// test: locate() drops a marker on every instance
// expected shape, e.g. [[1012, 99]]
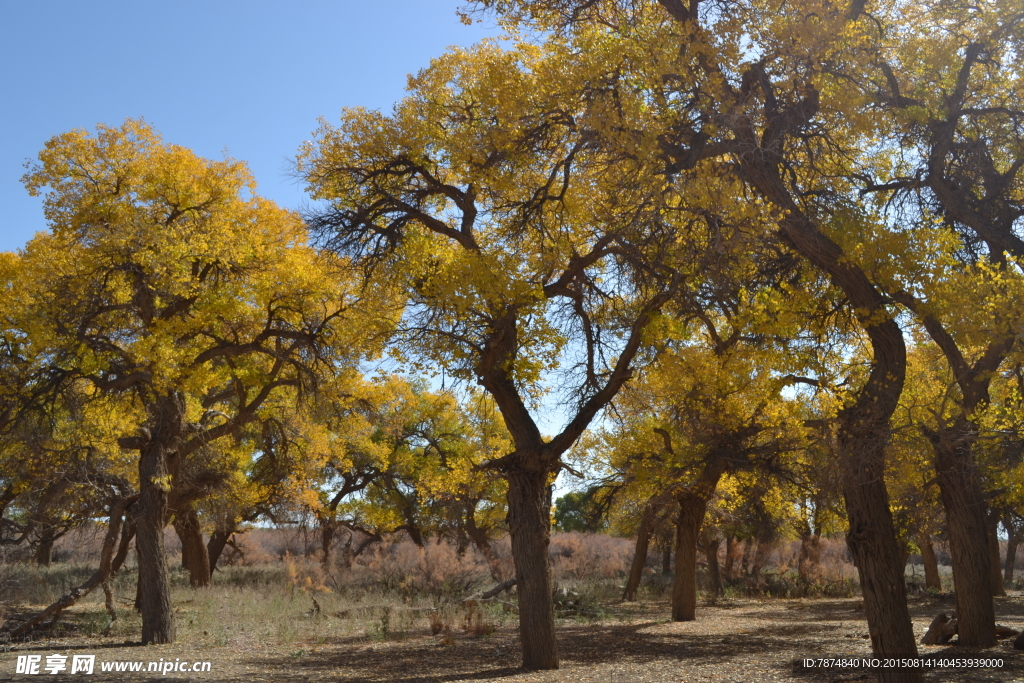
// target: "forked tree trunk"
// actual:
[[994, 559], [194, 554], [643, 539], [218, 540], [684, 587], [154, 592], [529, 519], [960, 487], [931, 563]]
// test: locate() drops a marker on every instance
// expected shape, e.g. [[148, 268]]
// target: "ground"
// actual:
[[734, 640]]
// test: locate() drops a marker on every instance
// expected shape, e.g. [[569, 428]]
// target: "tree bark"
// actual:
[[529, 516], [1011, 556], [666, 560], [194, 554], [810, 557], [100, 576], [710, 547], [960, 488], [684, 587], [931, 563], [643, 538], [154, 591], [994, 559], [327, 530], [730, 557], [479, 538], [218, 540], [44, 552]]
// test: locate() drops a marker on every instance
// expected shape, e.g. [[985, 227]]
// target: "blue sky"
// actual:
[[246, 78]]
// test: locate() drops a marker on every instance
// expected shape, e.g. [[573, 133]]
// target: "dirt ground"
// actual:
[[733, 641]]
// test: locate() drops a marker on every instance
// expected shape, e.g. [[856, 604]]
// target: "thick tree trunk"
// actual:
[[684, 588], [871, 538], [931, 563], [194, 553], [994, 559], [44, 551], [154, 592], [529, 518], [666, 560], [765, 543], [960, 486], [710, 547], [643, 538]]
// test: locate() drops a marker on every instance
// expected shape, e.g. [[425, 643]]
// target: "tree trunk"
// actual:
[[710, 547], [44, 552], [764, 546], [529, 518], [327, 530], [479, 538], [810, 557], [931, 564], [666, 560], [194, 553], [871, 538], [994, 559], [684, 588], [730, 557], [100, 576], [215, 546], [643, 538], [1011, 556], [154, 590], [960, 486]]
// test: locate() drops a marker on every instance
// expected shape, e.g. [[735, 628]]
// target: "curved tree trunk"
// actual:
[[643, 538], [529, 520], [931, 563], [194, 554], [154, 591], [960, 487], [101, 575]]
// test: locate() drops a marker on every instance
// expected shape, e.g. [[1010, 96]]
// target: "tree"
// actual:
[[163, 283], [535, 243]]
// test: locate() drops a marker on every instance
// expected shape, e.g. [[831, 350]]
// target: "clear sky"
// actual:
[[246, 78]]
